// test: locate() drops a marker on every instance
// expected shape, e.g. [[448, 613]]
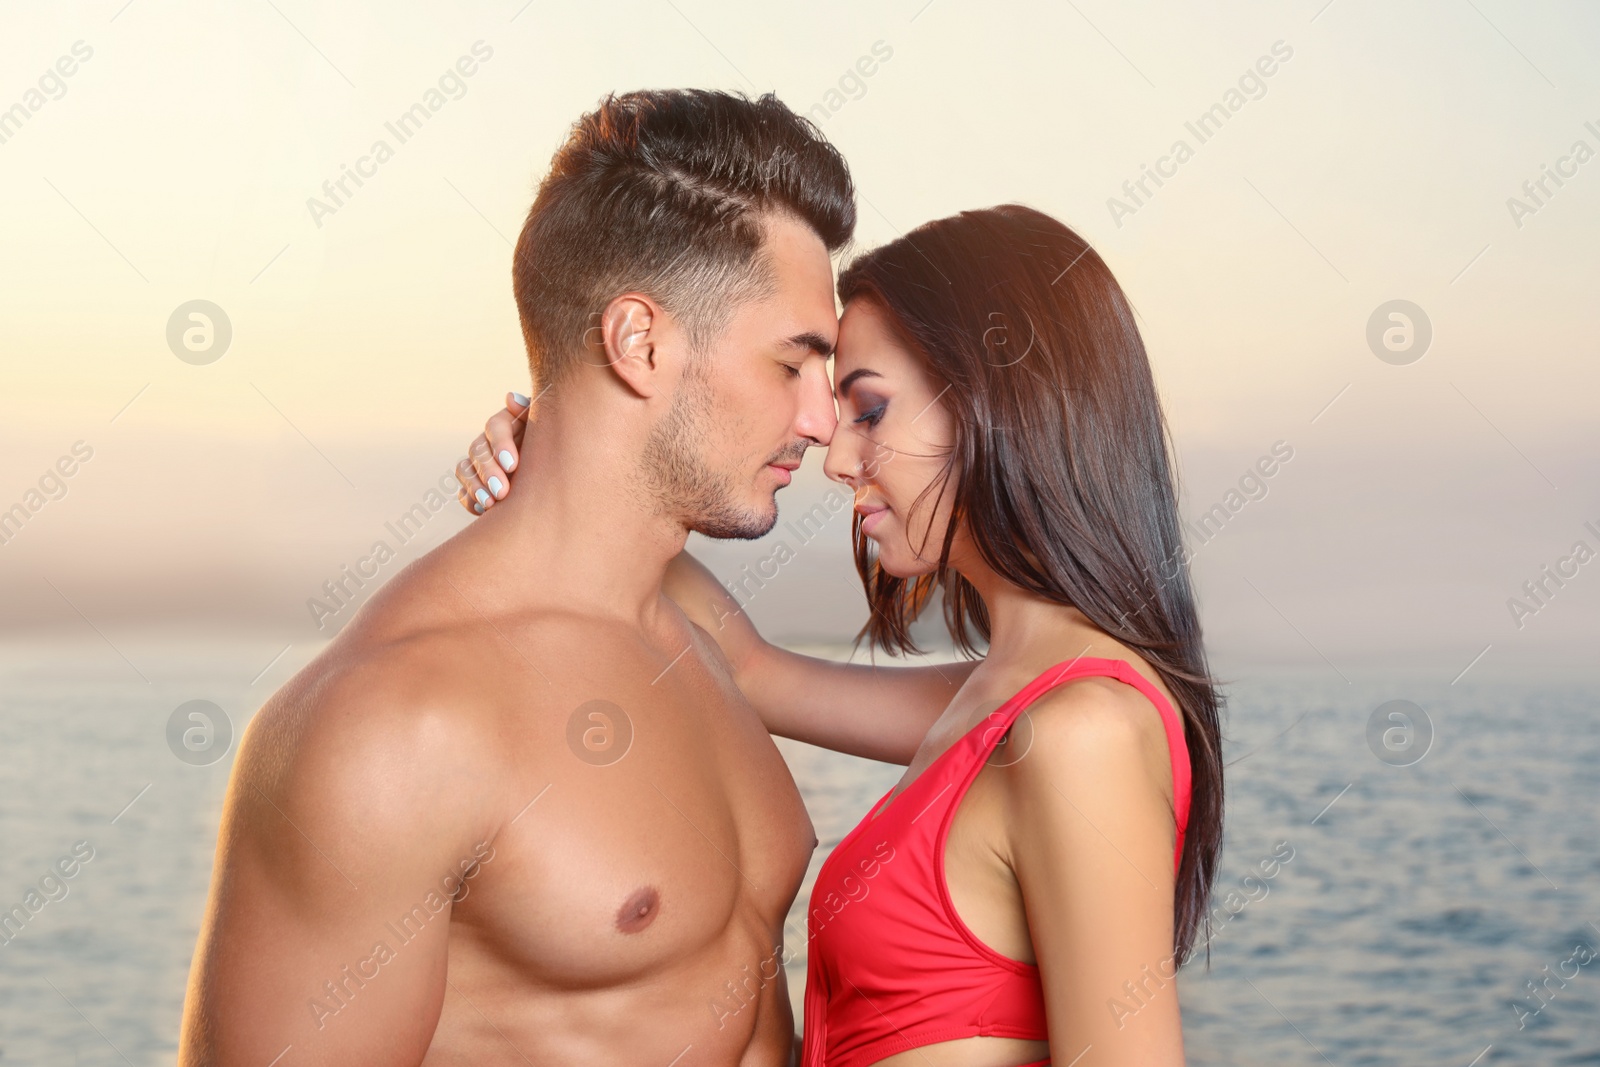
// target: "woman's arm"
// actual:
[[879, 713], [1090, 840]]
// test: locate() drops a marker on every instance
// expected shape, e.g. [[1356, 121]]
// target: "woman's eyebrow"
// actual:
[[850, 379]]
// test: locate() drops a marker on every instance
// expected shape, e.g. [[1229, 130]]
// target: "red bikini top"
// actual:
[[890, 965]]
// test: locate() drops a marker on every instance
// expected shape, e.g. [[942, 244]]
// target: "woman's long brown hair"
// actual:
[[1060, 472]]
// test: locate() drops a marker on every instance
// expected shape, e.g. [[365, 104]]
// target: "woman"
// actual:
[[1028, 890]]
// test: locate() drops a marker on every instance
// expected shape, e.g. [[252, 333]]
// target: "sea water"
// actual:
[[1429, 913]]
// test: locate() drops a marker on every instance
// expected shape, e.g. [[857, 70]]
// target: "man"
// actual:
[[517, 812]]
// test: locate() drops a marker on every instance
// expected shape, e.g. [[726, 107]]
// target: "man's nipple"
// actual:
[[639, 910]]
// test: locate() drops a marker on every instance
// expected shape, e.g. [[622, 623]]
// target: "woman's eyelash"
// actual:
[[873, 417]]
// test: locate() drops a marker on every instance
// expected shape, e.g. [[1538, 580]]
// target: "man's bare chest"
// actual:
[[657, 815]]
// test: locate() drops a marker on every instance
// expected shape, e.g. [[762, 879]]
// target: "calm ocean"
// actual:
[[1419, 901]]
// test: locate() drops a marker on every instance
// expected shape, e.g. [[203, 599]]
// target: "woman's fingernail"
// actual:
[[497, 487], [483, 498], [507, 460], [477, 507], [520, 399]]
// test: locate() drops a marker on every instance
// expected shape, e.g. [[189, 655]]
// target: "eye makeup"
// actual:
[[873, 415]]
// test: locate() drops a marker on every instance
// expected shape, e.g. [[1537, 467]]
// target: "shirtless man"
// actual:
[[517, 812]]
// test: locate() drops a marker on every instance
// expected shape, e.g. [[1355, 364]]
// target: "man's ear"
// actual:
[[627, 339]]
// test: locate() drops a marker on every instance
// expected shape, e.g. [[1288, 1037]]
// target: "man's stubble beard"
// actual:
[[680, 479]]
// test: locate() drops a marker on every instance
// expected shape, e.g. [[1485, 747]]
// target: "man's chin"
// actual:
[[739, 524]]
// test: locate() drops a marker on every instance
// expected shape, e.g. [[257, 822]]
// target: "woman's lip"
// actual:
[[870, 517]]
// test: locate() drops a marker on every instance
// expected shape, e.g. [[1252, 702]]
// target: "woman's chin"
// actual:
[[905, 568]]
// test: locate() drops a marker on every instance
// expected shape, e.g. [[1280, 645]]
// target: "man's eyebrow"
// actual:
[[851, 379], [812, 340]]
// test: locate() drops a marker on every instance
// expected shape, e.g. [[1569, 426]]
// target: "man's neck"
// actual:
[[576, 531]]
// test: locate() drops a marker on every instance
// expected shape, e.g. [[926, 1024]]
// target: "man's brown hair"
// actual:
[[663, 192]]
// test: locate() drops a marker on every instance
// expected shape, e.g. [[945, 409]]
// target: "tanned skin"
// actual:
[[432, 851], [1060, 856]]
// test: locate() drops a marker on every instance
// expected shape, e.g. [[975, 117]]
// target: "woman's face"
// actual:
[[893, 441]]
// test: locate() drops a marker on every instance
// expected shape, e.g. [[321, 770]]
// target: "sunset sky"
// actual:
[[1393, 153]]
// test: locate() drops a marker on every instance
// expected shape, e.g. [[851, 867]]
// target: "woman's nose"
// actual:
[[842, 463]]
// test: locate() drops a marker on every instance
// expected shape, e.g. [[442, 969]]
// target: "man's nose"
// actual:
[[817, 418]]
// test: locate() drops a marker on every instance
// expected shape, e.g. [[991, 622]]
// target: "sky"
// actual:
[[156, 153]]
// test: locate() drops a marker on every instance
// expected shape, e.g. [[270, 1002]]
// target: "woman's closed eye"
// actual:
[[872, 416]]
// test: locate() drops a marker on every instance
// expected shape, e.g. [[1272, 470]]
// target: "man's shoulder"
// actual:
[[430, 677], [432, 617], [383, 719]]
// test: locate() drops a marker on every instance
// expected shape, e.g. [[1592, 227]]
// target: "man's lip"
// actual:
[[791, 467]]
